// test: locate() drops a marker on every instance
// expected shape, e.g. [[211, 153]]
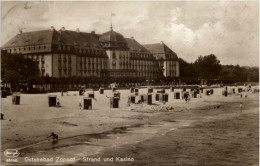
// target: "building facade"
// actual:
[[65, 53], [167, 59]]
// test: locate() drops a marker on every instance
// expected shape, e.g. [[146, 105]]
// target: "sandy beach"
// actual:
[[211, 130]]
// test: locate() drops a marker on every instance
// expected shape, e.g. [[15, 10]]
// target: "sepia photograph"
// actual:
[[139, 83]]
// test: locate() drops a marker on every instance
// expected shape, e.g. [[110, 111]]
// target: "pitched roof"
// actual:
[[30, 38], [63, 37], [161, 50], [135, 46], [76, 39]]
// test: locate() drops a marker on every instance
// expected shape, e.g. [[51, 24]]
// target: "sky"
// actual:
[[228, 29]]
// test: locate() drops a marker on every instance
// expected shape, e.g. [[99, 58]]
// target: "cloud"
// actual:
[[228, 29]]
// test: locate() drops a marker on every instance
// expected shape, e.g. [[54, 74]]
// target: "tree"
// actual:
[[208, 67], [17, 69], [187, 70]]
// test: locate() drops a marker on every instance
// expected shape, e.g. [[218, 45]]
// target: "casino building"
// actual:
[[66, 53]]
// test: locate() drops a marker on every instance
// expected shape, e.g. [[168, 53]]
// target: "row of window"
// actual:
[[108, 44], [65, 72], [90, 71], [139, 74], [81, 50], [91, 51], [87, 60], [170, 56], [28, 48], [64, 68], [140, 55], [120, 56], [93, 65]]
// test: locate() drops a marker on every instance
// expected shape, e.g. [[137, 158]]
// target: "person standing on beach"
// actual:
[[80, 105], [186, 99], [240, 105], [54, 136]]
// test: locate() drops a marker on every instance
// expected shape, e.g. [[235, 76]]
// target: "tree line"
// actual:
[[209, 68], [17, 70]]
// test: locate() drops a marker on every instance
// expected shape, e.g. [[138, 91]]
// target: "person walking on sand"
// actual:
[[80, 106], [54, 136], [240, 105], [58, 102]]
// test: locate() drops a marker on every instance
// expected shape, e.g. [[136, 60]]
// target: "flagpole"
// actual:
[[111, 21]]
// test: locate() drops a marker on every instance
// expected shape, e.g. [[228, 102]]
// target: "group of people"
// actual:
[[63, 92], [241, 95]]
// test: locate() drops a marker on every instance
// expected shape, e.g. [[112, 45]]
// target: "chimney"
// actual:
[[77, 30], [62, 28], [52, 28], [93, 32]]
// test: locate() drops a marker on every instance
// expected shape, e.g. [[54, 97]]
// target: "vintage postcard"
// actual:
[[141, 83]]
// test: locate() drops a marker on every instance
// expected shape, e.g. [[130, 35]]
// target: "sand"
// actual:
[[197, 140]]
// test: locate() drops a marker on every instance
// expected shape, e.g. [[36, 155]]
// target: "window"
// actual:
[[114, 56], [64, 58], [69, 58]]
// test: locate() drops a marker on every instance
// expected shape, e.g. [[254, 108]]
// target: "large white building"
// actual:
[[65, 53]]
